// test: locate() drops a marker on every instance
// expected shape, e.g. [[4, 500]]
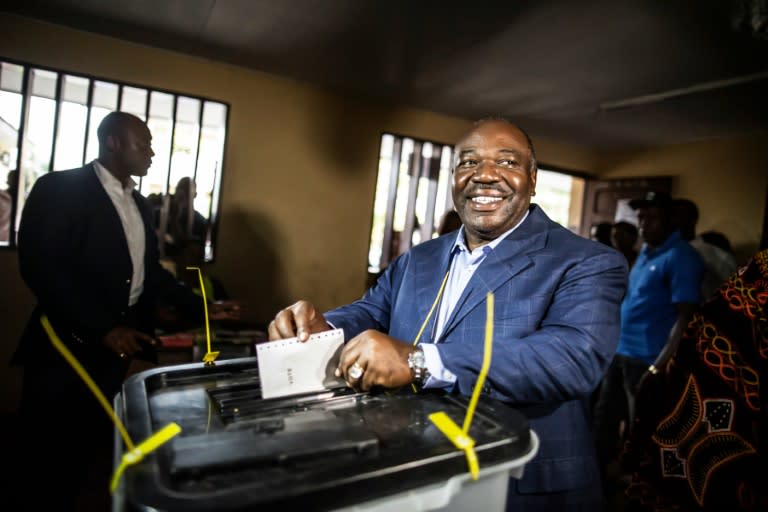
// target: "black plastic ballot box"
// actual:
[[329, 450]]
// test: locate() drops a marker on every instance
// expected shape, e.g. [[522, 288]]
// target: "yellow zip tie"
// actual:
[[460, 437], [137, 454], [487, 349], [209, 356], [75, 364], [134, 453]]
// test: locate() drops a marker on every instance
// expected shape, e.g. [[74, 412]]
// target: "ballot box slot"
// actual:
[[234, 372], [228, 399], [236, 403], [169, 380]]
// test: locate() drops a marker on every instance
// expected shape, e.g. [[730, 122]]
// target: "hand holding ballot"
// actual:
[[297, 320], [374, 359], [369, 359]]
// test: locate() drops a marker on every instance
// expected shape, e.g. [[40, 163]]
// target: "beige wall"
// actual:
[[727, 178], [299, 179]]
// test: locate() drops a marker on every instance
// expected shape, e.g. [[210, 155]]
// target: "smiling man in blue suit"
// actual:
[[556, 320]]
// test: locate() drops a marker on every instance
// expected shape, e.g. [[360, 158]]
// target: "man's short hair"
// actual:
[[687, 208], [113, 124], [627, 227]]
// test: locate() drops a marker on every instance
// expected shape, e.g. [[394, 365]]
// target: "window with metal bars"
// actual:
[[412, 193], [48, 122]]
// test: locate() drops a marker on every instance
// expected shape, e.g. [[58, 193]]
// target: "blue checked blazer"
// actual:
[[556, 327]]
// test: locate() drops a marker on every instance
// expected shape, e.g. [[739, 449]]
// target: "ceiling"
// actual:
[[606, 74]]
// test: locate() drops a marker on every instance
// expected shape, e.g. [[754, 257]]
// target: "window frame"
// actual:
[[391, 200], [214, 211]]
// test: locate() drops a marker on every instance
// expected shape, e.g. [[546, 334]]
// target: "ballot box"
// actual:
[[330, 450]]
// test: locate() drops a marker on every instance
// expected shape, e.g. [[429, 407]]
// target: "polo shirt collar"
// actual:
[[670, 242]]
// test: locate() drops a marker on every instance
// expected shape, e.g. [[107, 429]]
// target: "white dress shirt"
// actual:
[[133, 225]]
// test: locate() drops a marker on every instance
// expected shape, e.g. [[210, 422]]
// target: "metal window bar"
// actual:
[[91, 85], [431, 171], [389, 216], [56, 118], [165, 212], [414, 171], [15, 216]]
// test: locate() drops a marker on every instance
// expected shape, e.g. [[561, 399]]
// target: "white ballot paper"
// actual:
[[290, 367]]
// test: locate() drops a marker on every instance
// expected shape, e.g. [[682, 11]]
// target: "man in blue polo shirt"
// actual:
[[664, 289]]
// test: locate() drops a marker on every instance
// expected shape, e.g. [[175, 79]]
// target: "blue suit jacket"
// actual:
[[556, 327]]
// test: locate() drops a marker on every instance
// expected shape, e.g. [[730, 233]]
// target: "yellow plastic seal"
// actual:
[[460, 436], [134, 454], [209, 356]]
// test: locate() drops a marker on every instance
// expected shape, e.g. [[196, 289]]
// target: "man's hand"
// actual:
[[300, 319], [225, 310], [125, 342], [383, 359]]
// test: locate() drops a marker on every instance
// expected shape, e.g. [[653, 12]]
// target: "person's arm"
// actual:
[[685, 312], [373, 310], [370, 316], [685, 279], [299, 319], [564, 358]]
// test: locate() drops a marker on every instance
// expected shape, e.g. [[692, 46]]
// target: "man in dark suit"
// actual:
[[88, 252], [556, 321]]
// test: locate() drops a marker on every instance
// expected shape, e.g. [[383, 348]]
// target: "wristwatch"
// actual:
[[418, 365]]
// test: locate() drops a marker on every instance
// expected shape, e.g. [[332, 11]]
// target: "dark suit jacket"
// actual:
[[74, 256], [556, 327]]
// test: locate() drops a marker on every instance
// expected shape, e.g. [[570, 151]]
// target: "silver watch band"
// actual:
[[417, 364]]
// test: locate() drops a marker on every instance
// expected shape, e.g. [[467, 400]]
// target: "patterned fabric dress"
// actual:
[[700, 437]]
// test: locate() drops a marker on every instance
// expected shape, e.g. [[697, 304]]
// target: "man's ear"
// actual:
[[113, 143]]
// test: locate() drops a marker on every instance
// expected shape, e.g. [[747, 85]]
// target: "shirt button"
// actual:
[[127, 281]]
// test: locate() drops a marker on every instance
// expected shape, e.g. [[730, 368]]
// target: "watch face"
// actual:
[[417, 359]]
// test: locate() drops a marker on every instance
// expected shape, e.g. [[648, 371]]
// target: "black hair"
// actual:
[[628, 227], [113, 124]]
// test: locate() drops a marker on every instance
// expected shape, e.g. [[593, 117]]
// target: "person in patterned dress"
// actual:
[[701, 430]]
